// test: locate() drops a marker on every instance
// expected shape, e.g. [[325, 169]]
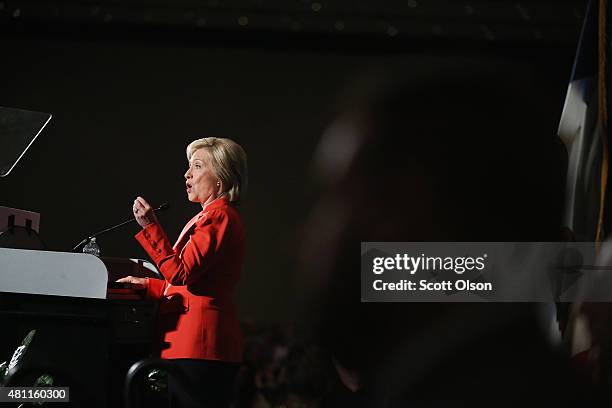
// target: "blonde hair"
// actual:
[[229, 161]]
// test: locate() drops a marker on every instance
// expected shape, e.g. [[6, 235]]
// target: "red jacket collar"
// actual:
[[216, 203]]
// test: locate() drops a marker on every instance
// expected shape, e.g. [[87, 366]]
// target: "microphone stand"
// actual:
[[84, 241]]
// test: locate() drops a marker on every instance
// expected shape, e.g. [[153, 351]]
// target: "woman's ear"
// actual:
[[219, 188]]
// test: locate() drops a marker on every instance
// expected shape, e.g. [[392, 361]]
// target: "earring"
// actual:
[[218, 184]]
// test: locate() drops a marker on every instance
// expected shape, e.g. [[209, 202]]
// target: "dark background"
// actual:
[[130, 84]]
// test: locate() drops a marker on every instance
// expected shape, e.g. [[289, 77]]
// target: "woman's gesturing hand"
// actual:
[[143, 213]]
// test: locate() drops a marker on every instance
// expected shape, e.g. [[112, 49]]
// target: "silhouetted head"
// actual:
[[451, 157]]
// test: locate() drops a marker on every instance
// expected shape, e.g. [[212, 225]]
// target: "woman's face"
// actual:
[[201, 180]]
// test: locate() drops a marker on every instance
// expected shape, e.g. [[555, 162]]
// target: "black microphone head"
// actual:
[[163, 207]]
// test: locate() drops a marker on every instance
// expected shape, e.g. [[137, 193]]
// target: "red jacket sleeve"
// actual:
[[155, 288], [190, 263]]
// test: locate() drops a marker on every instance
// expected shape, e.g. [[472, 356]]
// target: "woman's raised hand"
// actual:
[[143, 212]]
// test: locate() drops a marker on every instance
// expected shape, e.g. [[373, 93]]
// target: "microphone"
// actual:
[[162, 207], [84, 241]]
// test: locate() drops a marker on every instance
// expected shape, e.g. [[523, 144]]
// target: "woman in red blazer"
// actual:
[[200, 330]]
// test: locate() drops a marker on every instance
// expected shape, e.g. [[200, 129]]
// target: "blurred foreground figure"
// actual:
[[451, 158]]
